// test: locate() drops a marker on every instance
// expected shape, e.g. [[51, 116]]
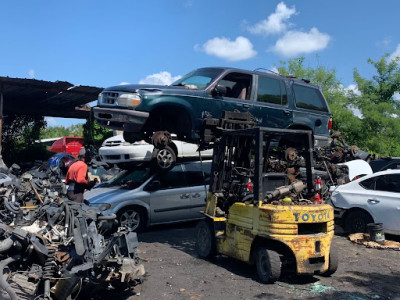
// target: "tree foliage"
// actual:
[[94, 134], [18, 139], [60, 131]]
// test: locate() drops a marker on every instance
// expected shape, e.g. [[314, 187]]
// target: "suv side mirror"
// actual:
[[219, 91], [153, 185]]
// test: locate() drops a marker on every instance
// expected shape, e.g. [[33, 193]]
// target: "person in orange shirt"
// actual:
[[77, 177]]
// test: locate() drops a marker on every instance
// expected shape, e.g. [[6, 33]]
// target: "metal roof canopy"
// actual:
[[45, 98]]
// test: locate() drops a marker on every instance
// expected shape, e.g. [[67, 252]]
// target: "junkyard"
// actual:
[[229, 182]]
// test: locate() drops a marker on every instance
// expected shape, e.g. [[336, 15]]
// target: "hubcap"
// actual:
[[130, 218], [164, 158]]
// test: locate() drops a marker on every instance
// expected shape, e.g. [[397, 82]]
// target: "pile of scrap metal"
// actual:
[[52, 248]]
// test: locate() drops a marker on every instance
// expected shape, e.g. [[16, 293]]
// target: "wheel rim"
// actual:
[[164, 158], [130, 218]]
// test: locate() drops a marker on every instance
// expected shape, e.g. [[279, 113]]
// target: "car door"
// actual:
[[239, 92], [271, 107], [383, 200], [170, 199], [198, 176]]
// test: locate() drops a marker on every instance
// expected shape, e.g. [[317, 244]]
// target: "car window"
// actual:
[[309, 98], [271, 90], [238, 85], [198, 79], [172, 179], [388, 183], [130, 179], [369, 183], [194, 173]]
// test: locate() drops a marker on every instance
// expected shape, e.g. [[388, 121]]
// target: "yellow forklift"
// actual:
[[258, 206]]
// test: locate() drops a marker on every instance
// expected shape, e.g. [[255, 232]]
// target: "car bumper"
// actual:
[[120, 119]]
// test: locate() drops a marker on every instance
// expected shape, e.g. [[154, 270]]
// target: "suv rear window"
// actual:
[[309, 98], [271, 90]]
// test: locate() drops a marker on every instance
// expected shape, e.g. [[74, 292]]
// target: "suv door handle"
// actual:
[[244, 105], [196, 195], [286, 112], [185, 196], [373, 201]]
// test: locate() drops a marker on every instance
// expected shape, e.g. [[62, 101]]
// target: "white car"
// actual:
[[374, 198], [115, 150]]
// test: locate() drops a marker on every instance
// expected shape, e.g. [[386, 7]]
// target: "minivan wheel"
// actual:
[[133, 217]]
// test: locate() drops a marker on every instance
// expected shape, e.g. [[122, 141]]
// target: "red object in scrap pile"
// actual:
[[68, 144]]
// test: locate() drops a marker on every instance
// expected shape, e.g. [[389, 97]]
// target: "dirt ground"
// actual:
[[175, 272]]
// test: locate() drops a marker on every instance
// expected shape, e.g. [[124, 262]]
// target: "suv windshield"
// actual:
[[198, 79], [129, 179]]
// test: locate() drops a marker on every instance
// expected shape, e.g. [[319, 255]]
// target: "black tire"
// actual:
[[165, 158], [134, 217], [268, 265], [132, 137], [356, 221], [205, 239], [333, 262]]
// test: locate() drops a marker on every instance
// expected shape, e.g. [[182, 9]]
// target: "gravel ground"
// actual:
[[175, 272]]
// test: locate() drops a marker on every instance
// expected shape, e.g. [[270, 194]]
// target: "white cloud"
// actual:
[[51, 121], [294, 43], [162, 78], [124, 83], [353, 88], [275, 23], [239, 49], [396, 96], [31, 73], [396, 53]]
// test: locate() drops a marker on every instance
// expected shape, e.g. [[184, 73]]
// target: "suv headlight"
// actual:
[[129, 100], [101, 206]]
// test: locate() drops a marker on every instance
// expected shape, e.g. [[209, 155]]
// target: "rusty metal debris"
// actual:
[[51, 247]]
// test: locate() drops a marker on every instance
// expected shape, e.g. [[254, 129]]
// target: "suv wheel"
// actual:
[[133, 217]]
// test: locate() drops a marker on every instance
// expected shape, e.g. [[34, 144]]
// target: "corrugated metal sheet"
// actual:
[[46, 98]]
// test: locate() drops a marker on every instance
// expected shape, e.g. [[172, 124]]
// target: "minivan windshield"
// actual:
[[129, 179], [198, 79]]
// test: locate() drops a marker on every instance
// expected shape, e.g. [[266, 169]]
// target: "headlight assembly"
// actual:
[[130, 100]]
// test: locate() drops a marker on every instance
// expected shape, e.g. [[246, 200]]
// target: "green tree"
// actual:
[[380, 111], [60, 131], [94, 134]]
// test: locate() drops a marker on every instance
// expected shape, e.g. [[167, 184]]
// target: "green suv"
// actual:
[[274, 101]]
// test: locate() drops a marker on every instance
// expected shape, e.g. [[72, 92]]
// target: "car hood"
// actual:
[[104, 195], [165, 89]]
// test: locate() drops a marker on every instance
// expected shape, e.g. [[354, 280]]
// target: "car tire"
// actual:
[[268, 265], [333, 262], [205, 240], [164, 158], [134, 217], [356, 221], [132, 137]]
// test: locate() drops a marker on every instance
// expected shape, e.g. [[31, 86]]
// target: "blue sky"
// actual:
[[104, 43]]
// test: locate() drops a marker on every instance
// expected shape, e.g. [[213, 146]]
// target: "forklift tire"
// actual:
[[333, 263], [205, 240], [268, 265]]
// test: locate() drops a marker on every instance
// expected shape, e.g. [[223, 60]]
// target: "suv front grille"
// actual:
[[109, 97]]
